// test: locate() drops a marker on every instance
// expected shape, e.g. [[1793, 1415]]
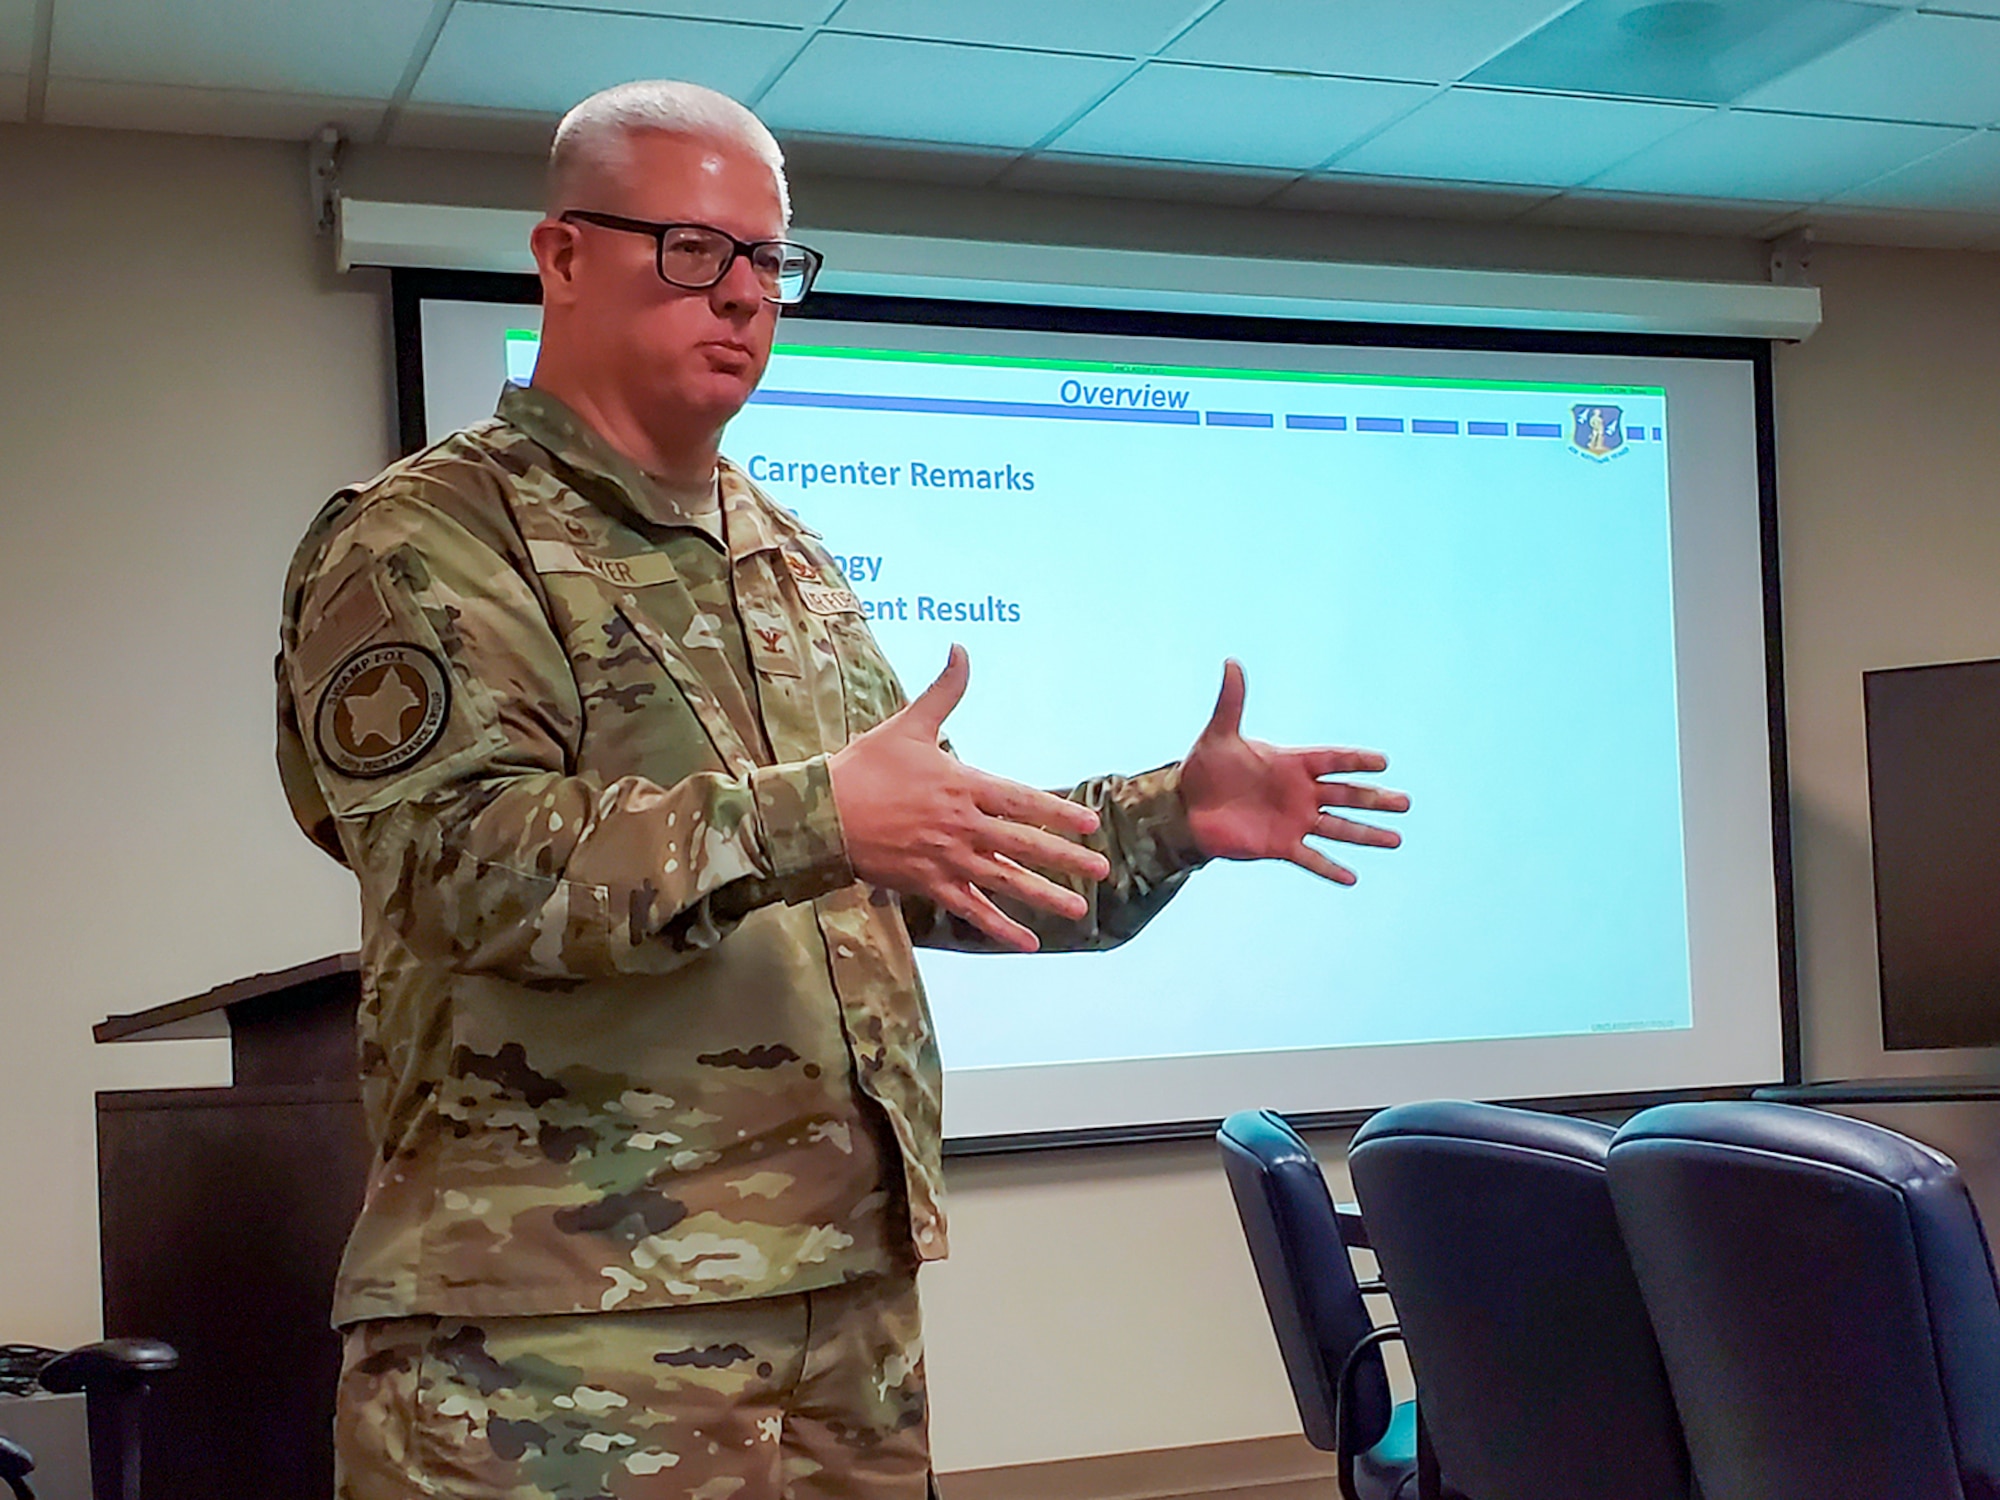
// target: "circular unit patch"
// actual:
[[383, 710]]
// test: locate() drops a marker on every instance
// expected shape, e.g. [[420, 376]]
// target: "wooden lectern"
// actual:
[[222, 1217]]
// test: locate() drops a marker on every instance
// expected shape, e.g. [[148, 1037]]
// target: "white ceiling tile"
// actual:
[[1786, 158], [1406, 197], [932, 91], [1964, 176], [773, 12], [1700, 51], [520, 58], [1964, 7], [1111, 177], [1942, 69], [1180, 112], [13, 97], [458, 127], [1130, 28], [356, 49], [1482, 135], [1657, 214], [1431, 41], [197, 111], [17, 35]]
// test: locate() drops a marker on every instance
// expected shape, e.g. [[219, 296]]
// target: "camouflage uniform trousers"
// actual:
[[812, 1396]]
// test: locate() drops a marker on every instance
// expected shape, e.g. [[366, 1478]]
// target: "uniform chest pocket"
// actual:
[[639, 718]]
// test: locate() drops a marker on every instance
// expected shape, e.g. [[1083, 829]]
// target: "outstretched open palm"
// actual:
[[1249, 800]]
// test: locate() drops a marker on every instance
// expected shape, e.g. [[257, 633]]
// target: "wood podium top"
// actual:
[[214, 1012]]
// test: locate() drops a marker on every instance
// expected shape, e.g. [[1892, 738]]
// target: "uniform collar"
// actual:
[[622, 489]]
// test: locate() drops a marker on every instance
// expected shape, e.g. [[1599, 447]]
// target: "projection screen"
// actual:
[[1531, 569]]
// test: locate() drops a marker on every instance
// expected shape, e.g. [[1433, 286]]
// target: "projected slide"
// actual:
[[1473, 577], [1533, 590]]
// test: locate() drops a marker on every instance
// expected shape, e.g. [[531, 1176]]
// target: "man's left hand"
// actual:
[[1249, 800]]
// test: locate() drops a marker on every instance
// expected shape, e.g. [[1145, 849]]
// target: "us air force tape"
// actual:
[[383, 710], [818, 596]]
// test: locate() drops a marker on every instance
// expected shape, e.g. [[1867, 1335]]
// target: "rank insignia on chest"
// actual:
[[383, 710], [772, 648]]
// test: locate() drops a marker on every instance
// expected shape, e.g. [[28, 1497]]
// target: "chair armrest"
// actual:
[[15, 1467], [116, 1376], [111, 1365], [1353, 1232], [1345, 1448]]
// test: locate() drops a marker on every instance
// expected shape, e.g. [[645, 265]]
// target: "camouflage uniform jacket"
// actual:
[[632, 1033]]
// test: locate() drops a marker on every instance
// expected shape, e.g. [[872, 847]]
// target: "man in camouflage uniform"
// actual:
[[645, 832]]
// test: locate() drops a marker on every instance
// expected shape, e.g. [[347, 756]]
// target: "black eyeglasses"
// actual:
[[697, 256]]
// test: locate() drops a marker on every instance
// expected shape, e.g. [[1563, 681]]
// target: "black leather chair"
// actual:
[[1299, 1243], [1824, 1298], [114, 1377], [1495, 1233]]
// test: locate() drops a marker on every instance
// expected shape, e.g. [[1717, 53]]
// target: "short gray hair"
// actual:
[[590, 141]]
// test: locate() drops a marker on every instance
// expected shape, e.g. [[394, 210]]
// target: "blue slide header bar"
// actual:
[[1167, 416]]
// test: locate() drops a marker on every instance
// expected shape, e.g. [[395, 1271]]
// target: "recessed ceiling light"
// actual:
[[1675, 22]]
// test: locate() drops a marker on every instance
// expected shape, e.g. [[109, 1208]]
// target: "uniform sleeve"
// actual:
[[1141, 829], [437, 709]]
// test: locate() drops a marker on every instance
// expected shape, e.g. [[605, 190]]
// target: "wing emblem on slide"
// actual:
[[1598, 430]]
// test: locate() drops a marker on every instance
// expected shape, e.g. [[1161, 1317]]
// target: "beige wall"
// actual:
[[183, 385], [1889, 485], [187, 381]]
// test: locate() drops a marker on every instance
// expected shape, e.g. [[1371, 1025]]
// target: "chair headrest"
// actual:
[[1787, 1130], [1265, 1135], [1584, 1141]]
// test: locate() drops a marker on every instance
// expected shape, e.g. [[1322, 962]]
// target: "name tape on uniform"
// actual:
[[627, 572], [656, 567]]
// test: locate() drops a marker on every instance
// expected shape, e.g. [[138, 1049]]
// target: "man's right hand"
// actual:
[[918, 821]]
